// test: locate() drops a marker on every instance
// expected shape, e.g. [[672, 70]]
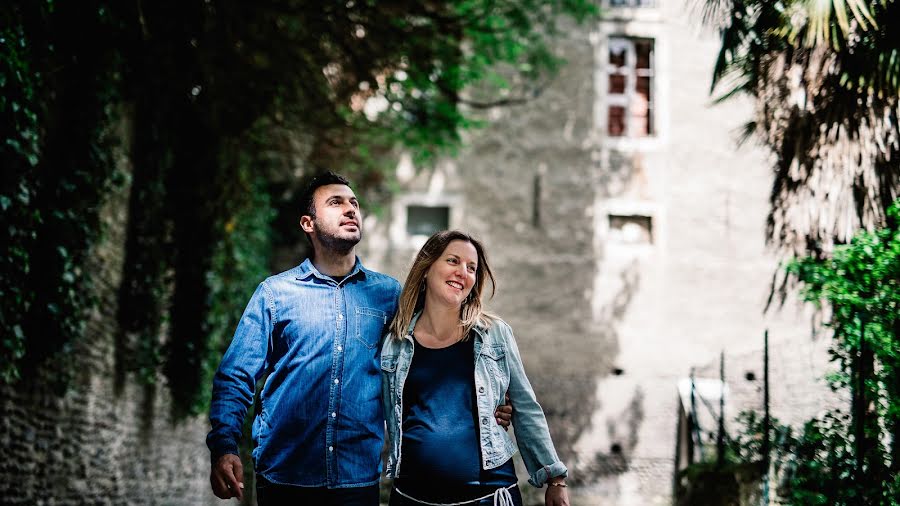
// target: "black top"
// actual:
[[441, 455]]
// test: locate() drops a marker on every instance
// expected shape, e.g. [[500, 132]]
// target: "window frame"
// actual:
[[631, 73], [399, 234]]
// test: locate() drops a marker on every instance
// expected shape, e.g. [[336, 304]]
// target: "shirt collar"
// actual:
[[307, 270]]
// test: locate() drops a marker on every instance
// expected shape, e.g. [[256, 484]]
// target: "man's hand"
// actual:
[[503, 414], [556, 496], [227, 477]]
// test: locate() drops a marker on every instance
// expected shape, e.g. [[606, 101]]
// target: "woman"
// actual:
[[446, 365]]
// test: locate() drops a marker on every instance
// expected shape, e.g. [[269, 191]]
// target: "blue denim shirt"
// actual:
[[321, 422], [498, 370]]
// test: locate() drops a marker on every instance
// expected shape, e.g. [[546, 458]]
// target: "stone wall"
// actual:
[[100, 443]]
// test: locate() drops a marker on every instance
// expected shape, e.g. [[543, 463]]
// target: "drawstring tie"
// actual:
[[501, 496]]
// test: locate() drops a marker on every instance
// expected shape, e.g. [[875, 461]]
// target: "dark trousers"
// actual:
[[273, 494]]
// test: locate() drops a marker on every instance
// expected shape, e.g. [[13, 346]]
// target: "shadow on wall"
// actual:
[[622, 428], [570, 400]]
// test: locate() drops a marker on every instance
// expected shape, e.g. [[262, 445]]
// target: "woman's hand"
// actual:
[[556, 495]]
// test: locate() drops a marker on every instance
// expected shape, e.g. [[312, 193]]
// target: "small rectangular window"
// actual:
[[426, 220], [630, 229]]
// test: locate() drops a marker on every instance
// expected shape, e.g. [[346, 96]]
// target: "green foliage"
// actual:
[[50, 198], [847, 456], [240, 261], [860, 284], [20, 151], [208, 90]]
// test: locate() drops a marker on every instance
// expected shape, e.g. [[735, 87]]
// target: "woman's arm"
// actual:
[[529, 422], [556, 494]]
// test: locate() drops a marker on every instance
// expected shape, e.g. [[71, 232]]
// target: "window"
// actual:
[[630, 229], [416, 216], [426, 220], [629, 91]]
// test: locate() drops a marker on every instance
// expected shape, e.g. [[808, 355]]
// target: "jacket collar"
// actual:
[[412, 325], [480, 330]]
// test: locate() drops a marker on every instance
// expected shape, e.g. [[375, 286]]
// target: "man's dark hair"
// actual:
[[308, 207]]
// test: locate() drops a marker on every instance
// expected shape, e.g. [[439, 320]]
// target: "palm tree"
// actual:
[[824, 78]]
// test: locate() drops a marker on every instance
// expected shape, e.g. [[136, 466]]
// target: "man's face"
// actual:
[[338, 222]]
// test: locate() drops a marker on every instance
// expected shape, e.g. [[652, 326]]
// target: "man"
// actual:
[[316, 330]]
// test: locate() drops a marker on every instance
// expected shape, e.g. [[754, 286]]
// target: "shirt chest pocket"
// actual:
[[496, 370], [370, 324]]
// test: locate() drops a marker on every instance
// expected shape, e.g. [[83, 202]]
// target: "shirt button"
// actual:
[[484, 420], [331, 448], [481, 390], [333, 414], [340, 348], [340, 316], [336, 381]]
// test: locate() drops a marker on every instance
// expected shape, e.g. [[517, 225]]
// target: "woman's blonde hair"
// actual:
[[412, 298]]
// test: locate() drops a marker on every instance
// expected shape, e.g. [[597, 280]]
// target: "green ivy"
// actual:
[[20, 151], [58, 170]]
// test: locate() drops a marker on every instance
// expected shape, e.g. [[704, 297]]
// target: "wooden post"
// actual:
[[767, 420], [695, 423], [860, 409], [720, 439]]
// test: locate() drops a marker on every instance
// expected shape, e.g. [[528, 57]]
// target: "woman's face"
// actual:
[[452, 276]]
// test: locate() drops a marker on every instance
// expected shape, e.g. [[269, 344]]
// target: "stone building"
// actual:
[[627, 232]]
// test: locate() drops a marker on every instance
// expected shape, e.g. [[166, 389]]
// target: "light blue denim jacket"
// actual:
[[498, 369], [320, 422]]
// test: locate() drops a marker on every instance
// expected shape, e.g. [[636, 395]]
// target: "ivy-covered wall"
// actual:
[[102, 440]]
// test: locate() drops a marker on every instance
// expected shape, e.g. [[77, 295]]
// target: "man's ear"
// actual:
[[306, 223]]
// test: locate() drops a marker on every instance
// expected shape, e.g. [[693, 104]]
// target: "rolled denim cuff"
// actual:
[[539, 477], [224, 448]]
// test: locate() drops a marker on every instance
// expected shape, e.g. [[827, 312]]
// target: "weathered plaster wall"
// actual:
[[99, 444]]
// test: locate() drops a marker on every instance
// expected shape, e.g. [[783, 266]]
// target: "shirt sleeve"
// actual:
[[235, 380]]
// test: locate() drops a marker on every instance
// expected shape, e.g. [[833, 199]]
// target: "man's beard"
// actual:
[[334, 243]]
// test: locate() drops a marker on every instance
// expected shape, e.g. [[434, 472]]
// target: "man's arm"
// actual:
[[233, 387], [503, 413]]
